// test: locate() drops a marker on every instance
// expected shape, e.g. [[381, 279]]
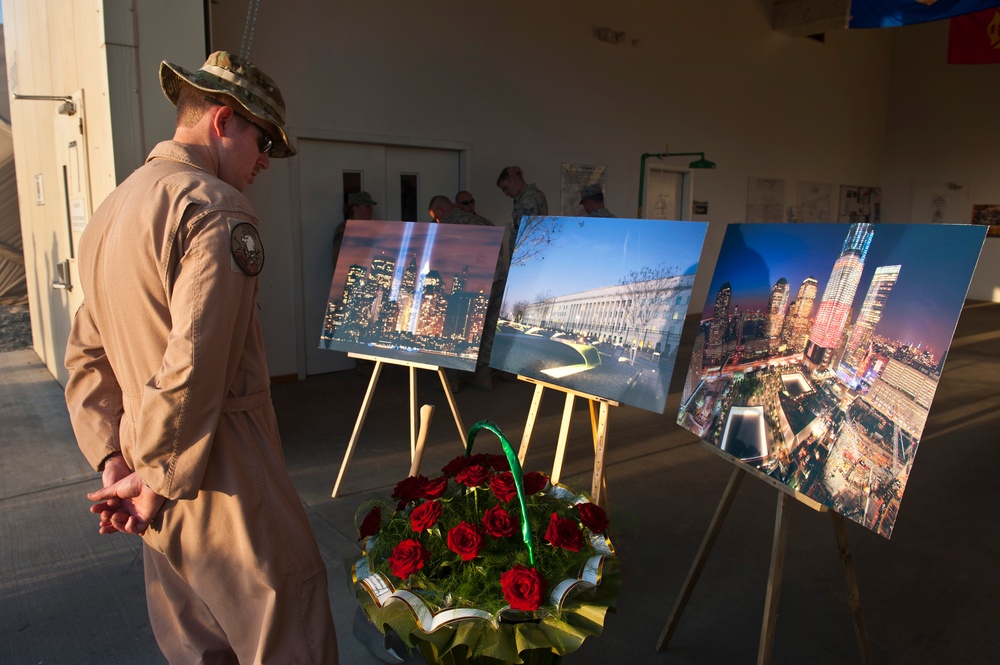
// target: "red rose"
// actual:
[[409, 489], [407, 558], [371, 523], [593, 517], [498, 522], [465, 540], [453, 467], [499, 462], [565, 533], [522, 588], [435, 488], [425, 515], [503, 486], [474, 475], [534, 482]]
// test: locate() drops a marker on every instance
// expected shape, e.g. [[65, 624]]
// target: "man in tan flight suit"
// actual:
[[169, 389]]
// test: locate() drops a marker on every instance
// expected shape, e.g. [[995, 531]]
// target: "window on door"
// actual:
[[408, 196], [352, 184]]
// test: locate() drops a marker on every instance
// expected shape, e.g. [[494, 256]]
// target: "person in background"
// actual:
[[528, 199], [466, 201], [592, 200], [359, 206], [169, 392], [443, 211]]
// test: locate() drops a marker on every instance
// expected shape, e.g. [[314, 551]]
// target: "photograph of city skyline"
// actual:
[[599, 307], [820, 350], [412, 291]]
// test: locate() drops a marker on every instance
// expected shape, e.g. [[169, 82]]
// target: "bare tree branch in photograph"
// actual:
[[515, 311], [647, 293], [535, 235]]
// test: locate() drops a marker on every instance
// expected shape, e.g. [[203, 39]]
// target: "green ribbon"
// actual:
[[515, 470]]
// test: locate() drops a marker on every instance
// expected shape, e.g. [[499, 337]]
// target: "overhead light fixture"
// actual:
[[700, 163]]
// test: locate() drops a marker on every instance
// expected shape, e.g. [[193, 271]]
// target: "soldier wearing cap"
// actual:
[[592, 200], [358, 206], [168, 387]]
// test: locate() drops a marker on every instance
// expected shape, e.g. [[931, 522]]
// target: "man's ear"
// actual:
[[222, 117]]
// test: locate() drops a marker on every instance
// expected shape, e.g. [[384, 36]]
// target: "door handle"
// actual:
[[62, 280]]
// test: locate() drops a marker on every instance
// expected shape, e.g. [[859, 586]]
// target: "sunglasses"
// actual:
[[264, 142], [466, 203]]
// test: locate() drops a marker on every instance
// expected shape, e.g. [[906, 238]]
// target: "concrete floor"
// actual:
[[930, 595]]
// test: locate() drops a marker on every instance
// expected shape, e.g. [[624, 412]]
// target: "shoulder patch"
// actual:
[[247, 250]]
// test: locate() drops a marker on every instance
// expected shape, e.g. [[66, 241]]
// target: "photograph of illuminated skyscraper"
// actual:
[[820, 351], [412, 291]]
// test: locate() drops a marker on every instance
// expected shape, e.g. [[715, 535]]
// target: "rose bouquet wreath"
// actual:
[[483, 565]]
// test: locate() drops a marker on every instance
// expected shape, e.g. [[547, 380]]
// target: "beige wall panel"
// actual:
[[173, 31], [56, 47]]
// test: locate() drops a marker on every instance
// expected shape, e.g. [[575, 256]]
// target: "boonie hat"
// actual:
[[360, 199], [591, 191], [226, 72]]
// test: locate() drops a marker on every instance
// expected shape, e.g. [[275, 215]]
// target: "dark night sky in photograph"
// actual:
[[937, 264], [455, 246]]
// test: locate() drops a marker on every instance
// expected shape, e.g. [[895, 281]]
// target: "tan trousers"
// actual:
[[289, 625]]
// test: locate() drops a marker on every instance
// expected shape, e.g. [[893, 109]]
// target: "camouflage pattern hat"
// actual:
[[227, 73], [591, 191], [360, 199]]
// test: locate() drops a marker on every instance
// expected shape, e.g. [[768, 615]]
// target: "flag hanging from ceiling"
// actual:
[[893, 13], [974, 39]]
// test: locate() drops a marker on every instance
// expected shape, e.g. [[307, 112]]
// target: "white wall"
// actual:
[[943, 127], [527, 83]]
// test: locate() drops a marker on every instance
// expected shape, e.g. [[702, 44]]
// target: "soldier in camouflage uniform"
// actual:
[[528, 199], [592, 200], [466, 201], [443, 211]]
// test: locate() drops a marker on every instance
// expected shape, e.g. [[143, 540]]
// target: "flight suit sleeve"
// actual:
[[209, 306], [93, 395]]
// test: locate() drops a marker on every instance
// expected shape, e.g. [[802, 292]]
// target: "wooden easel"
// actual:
[[779, 542], [376, 371], [599, 433]]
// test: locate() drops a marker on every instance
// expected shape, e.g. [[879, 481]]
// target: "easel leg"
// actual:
[[774, 580], [563, 435], [451, 403], [529, 425], [357, 425], [700, 558], [599, 482], [853, 596], [413, 412]]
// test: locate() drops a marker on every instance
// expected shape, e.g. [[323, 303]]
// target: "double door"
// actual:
[[401, 179]]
